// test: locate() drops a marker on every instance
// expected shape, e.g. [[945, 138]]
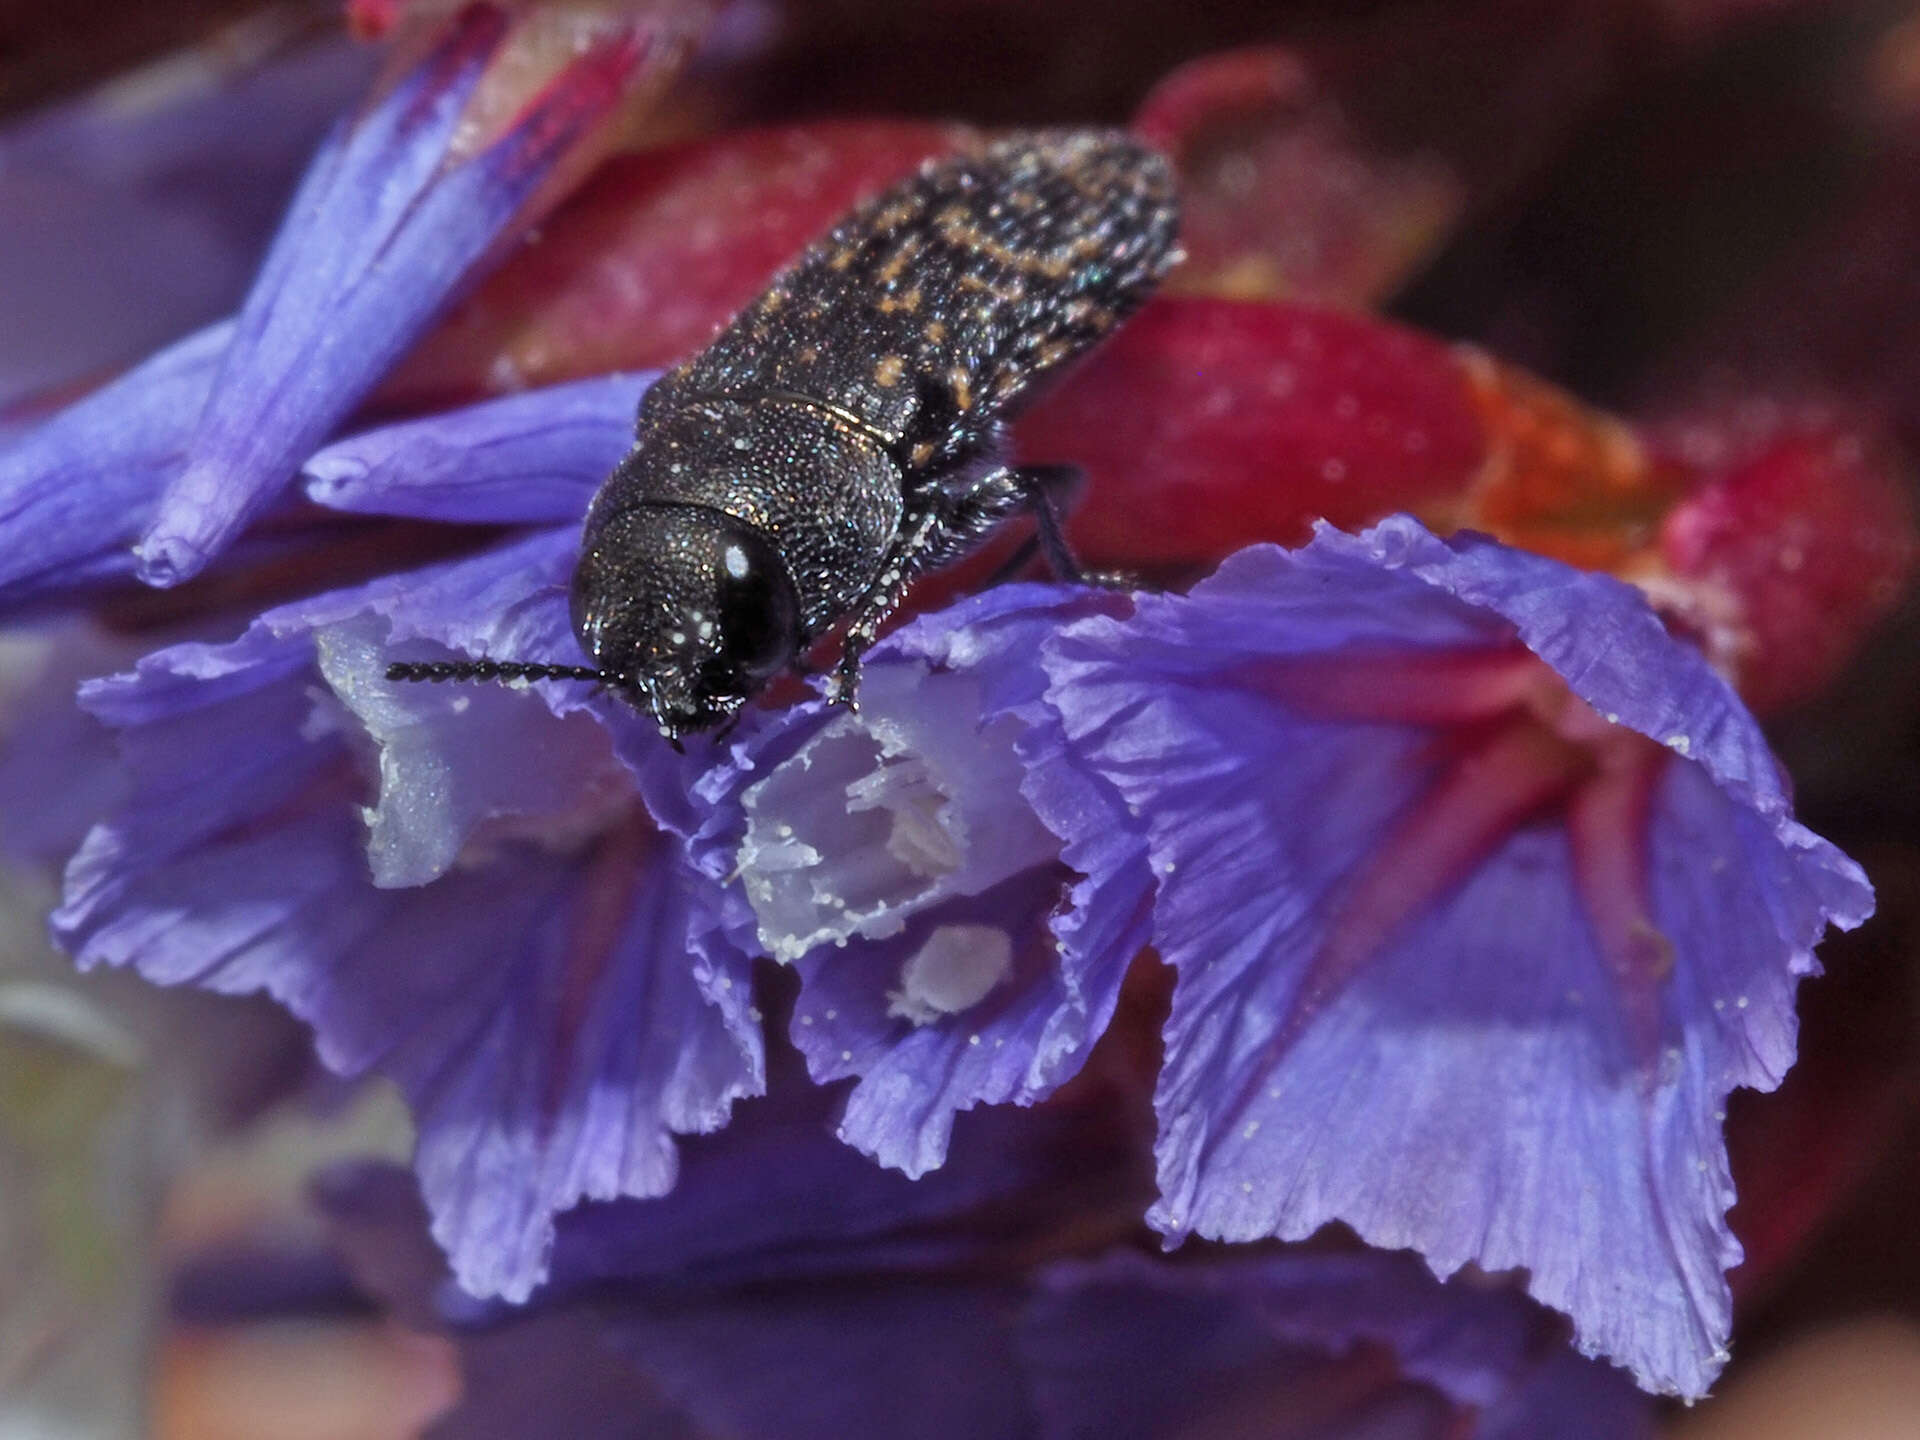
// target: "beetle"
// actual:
[[847, 431]]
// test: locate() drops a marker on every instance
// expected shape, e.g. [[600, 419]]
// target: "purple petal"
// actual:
[[1299, 1345], [788, 1314], [384, 231], [868, 1357], [541, 972], [58, 772], [784, 1288], [963, 1007], [76, 489], [968, 962], [931, 1360], [1472, 1091], [139, 210], [775, 1197], [533, 458]]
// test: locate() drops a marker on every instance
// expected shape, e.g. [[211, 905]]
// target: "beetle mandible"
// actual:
[[847, 431]]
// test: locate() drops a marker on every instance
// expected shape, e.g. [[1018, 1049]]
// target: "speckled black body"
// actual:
[[845, 431]]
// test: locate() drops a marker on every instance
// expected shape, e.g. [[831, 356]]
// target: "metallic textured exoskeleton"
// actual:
[[847, 431]]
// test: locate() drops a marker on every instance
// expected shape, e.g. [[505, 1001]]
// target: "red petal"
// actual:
[[1208, 424], [1799, 545], [1563, 479]]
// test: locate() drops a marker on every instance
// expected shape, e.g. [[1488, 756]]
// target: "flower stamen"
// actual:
[[1477, 801], [1607, 821], [1541, 749]]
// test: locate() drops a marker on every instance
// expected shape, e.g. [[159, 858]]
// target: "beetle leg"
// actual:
[[904, 560], [946, 526], [1039, 485], [1042, 488]]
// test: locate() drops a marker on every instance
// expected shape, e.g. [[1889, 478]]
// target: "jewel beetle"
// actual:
[[847, 431]]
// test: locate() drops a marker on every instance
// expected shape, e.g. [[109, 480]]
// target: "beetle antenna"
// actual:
[[438, 670]]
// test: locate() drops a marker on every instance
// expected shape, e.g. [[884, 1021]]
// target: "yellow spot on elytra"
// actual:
[[962, 385], [961, 233], [809, 354], [922, 453], [887, 373], [936, 332], [901, 258]]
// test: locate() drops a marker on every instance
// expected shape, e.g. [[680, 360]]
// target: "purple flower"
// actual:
[[1482, 892], [961, 898], [826, 1301], [404, 204], [1389, 852], [138, 210], [392, 217], [1481, 889], [786, 1287], [508, 932]]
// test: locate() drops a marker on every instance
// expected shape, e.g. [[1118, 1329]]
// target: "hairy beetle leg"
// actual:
[[1042, 489], [910, 553], [941, 530], [1040, 485]]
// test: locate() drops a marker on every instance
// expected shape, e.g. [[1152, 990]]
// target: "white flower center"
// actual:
[[886, 812], [952, 972], [462, 772]]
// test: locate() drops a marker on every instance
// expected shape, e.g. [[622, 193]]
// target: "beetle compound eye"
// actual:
[[759, 616]]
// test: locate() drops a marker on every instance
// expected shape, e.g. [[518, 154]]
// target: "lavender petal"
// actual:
[[534, 458], [1469, 1094]]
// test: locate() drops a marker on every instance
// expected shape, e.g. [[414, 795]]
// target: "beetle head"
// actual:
[[690, 610]]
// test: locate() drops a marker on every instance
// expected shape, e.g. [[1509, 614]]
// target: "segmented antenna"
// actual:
[[438, 670]]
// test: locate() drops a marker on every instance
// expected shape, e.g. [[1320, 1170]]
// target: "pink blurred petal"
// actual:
[[1279, 195]]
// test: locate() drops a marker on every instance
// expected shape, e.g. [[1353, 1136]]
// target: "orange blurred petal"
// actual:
[[1561, 479], [302, 1381]]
